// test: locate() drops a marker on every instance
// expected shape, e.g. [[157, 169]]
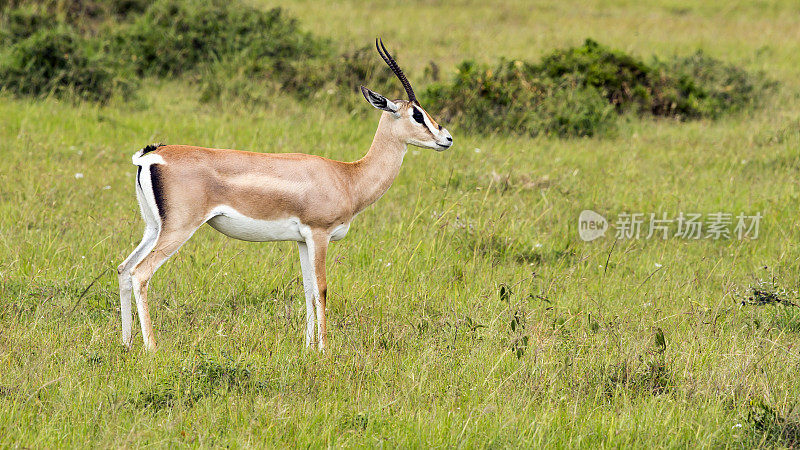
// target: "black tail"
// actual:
[[151, 147]]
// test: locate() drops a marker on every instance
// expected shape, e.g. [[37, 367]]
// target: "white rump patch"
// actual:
[[146, 160]]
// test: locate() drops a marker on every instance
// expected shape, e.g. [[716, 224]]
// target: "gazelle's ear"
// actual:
[[379, 101]]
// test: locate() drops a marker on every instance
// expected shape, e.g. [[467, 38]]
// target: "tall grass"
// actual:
[[464, 309]]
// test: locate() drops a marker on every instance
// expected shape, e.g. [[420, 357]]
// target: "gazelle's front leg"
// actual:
[[307, 267], [312, 262]]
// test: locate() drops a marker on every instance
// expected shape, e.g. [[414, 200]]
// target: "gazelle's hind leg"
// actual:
[[167, 243], [124, 269], [320, 253]]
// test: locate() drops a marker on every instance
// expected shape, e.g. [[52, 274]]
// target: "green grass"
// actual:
[[422, 348]]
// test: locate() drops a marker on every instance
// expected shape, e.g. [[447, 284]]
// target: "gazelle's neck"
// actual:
[[375, 172]]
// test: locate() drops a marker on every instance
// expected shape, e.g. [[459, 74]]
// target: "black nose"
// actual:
[[449, 139]]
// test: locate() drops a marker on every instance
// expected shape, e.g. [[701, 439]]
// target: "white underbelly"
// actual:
[[232, 223]]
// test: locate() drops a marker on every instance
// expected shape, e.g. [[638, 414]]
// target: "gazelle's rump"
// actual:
[[152, 218]]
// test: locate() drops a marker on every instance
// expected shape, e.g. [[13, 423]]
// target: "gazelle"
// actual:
[[267, 197]]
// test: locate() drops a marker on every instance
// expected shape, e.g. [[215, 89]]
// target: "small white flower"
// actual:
[[106, 187], [80, 152], [477, 150], [738, 425], [538, 245], [658, 266], [78, 176], [388, 264]]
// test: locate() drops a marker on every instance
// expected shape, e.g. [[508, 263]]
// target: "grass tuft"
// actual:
[[770, 428], [768, 292], [202, 377]]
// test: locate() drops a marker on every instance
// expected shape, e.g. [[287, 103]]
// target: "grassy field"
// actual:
[[464, 309]]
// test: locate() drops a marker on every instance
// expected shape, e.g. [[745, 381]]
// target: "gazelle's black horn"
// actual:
[[396, 69]]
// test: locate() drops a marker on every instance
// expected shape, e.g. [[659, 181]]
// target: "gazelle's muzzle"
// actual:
[[443, 140]]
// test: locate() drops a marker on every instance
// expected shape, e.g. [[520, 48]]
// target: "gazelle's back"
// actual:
[[261, 186]]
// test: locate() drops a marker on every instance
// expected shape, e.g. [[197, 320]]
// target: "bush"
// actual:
[[509, 98], [707, 87], [59, 62], [232, 50], [176, 36], [257, 80], [568, 112], [21, 23], [235, 51], [625, 81], [87, 16], [572, 91]]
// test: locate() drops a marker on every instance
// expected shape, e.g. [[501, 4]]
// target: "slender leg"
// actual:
[[169, 241], [124, 269], [307, 267], [321, 250], [126, 284]]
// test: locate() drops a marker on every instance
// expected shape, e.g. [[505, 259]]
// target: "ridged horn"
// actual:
[[396, 69]]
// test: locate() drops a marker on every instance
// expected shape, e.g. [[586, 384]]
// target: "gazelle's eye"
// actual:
[[417, 115]]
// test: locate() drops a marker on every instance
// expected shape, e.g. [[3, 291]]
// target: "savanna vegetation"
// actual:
[[464, 308]]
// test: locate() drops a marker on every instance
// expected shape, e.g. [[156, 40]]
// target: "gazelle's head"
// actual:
[[409, 121]]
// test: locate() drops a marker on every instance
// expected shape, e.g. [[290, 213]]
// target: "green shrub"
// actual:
[[571, 92], [126, 8], [708, 87], [362, 67], [255, 81], [568, 112], [625, 81], [690, 87], [235, 52], [21, 23], [176, 36], [509, 98], [58, 61], [86, 16]]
